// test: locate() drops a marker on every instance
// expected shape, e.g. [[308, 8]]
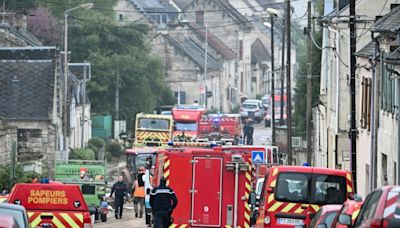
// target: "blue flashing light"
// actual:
[[44, 180], [170, 143], [306, 164]]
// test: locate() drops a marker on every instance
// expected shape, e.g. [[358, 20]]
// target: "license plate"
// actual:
[[289, 221]]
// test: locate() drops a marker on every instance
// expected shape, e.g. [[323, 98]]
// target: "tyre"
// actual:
[[103, 217]]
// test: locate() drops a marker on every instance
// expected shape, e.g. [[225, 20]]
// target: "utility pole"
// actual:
[[273, 81], [204, 96], [309, 85], [83, 106], [288, 85], [353, 129], [282, 72], [117, 95]]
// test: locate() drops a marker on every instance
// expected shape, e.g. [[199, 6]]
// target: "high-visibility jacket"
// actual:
[[139, 190]]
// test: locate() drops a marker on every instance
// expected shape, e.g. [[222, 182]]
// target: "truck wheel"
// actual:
[[103, 217]]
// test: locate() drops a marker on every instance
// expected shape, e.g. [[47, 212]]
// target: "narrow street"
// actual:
[[262, 136]]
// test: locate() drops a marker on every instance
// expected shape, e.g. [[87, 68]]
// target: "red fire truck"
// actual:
[[268, 115], [212, 184], [52, 204], [221, 129], [292, 195], [186, 122]]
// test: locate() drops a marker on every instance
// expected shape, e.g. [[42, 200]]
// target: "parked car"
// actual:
[[7, 221], [265, 100], [350, 207], [252, 109], [325, 216], [381, 208], [17, 212]]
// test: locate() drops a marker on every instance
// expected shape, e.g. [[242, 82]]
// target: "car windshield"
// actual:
[[185, 126], [249, 106], [318, 189], [16, 214], [140, 159], [153, 124]]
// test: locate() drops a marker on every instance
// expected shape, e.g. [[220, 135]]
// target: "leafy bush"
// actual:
[[20, 176], [82, 154], [108, 156], [95, 144], [114, 148]]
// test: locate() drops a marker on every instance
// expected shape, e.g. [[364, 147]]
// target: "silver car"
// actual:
[[252, 109], [18, 212]]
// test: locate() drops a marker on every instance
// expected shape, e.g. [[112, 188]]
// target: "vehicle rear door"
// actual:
[[206, 191]]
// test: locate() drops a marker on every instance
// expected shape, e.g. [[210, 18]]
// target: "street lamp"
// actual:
[[83, 6], [273, 13]]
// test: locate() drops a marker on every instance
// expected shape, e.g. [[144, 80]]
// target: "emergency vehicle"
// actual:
[[212, 184], [186, 122], [292, 195], [221, 129], [136, 157], [52, 204], [90, 176], [153, 129]]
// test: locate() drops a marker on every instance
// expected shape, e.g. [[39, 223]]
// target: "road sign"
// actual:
[[258, 157]]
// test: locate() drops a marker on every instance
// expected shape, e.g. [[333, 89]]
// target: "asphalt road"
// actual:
[[262, 136]]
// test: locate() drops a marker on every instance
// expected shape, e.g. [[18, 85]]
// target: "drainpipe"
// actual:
[[337, 46], [375, 120]]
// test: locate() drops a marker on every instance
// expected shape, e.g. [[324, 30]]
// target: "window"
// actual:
[[292, 187], [318, 189], [366, 103], [241, 82], [88, 189], [240, 49], [121, 17], [368, 208], [200, 18], [388, 97], [185, 126], [153, 124], [180, 97]]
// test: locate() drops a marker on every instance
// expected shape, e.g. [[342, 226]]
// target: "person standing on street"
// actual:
[[120, 189], [163, 201], [139, 192]]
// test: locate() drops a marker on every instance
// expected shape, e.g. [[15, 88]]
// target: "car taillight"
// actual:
[[87, 222], [267, 220], [377, 223]]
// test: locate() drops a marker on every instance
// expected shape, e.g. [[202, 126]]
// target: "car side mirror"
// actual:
[[322, 225], [345, 219]]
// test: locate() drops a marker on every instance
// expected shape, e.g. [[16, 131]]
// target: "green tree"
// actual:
[[114, 50]]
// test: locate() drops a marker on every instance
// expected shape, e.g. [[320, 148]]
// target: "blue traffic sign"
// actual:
[[258, 157]]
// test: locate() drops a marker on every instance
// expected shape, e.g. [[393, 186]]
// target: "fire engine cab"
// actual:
[[212, 184], [52, 204]]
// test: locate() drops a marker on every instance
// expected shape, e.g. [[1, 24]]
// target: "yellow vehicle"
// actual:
[[153, 129]]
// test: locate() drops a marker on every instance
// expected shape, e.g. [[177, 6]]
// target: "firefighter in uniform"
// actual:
[[120, 189], [139, 192], [163, 201]]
